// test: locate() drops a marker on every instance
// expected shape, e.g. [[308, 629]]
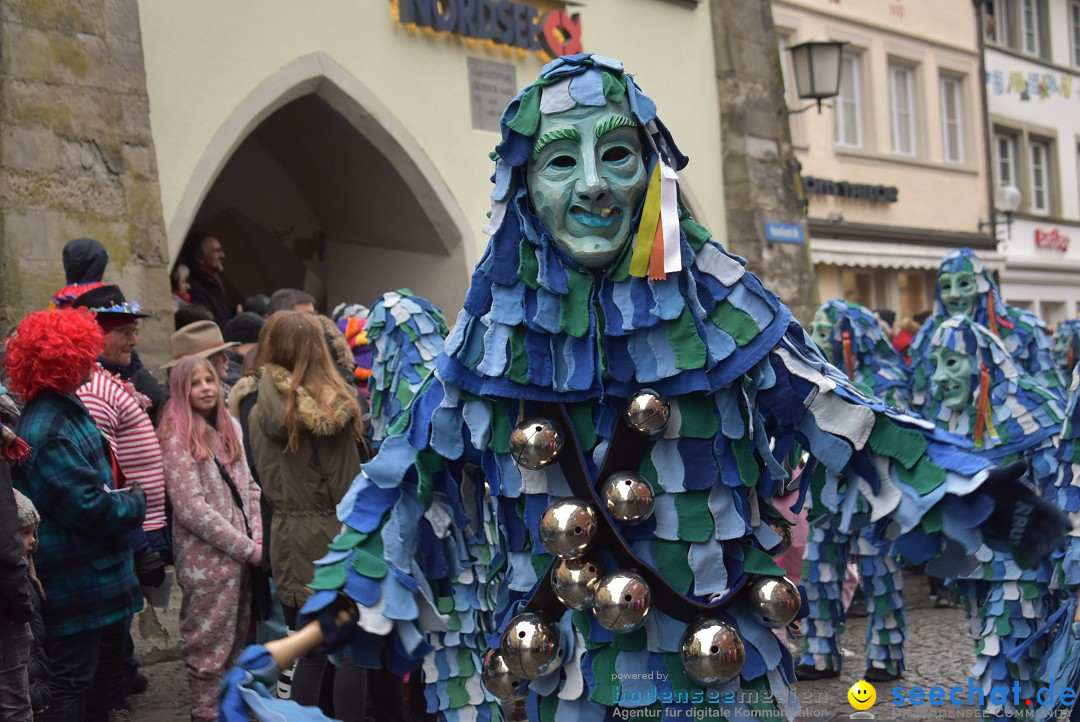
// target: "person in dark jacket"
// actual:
[[84, 558], [16, 610], [84, 267], [206, 259]]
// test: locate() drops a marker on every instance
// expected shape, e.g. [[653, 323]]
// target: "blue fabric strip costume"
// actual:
[[854, 342], [1005, 603], [439, 544]]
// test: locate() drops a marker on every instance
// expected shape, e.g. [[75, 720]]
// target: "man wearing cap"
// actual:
[[120, 412], [202, 339], [244, 330]]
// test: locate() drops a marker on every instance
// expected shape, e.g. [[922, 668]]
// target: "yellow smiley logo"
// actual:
[[862, 695]]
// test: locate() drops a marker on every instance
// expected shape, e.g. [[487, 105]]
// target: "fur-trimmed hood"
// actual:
[[246, 386], [274, 385]]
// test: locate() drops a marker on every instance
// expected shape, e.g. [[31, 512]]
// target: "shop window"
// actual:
[[952, 118], [847, 124], [902, 109]]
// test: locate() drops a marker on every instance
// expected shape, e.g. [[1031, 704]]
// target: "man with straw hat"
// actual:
[[202, 339]]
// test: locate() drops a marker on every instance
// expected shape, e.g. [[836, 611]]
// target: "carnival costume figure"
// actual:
[[965, 288], [407, 334], [980, 394], [1067, 346], [853, 340], [573, 515]]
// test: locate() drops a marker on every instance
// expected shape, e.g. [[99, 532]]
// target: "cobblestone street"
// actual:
[[938, 653]]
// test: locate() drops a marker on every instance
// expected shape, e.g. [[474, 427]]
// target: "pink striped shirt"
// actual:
[[111, 402]]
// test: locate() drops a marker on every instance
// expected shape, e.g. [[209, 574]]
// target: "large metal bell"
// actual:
[[628, 497], [498, 680], [712, 652], [574, 581], [535, 443], [774, 601], [784, 530], [647, 412], [568, 527], [531, 646], [623, 600]]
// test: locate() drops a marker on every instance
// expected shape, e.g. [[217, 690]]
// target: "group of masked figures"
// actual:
[[574, 516]]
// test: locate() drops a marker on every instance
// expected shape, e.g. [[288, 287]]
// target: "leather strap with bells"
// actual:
[[623, 454]]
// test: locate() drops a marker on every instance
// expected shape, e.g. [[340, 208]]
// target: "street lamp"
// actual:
[[817, 70], [1007, 201]]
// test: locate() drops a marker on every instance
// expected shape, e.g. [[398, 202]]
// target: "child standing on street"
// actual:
[[217, 529], [38, 666]]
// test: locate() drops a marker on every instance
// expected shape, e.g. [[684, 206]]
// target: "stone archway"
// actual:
[[312, 183]]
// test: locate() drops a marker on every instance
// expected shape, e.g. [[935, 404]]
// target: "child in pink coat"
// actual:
[[217, 529]]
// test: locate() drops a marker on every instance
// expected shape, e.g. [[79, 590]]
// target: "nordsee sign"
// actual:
[[501, 21], [784, 232]]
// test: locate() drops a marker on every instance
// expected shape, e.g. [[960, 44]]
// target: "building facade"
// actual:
[[342, 146], [895, 171], [1032, 57]]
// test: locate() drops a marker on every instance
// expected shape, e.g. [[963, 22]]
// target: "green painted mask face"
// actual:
[[586, 180], [958, 292], [1061, 348], [953, 379], [819, 331]]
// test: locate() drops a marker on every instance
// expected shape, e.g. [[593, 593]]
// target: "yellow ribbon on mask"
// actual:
[[650, 219]]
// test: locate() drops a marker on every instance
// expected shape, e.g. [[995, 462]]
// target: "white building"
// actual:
[[1032, 61]]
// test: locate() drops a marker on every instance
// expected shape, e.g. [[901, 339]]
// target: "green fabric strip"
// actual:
[[686, 342], [500, 427], [329, 576], [890, 439], [672, 561], [581, 416], [528, 266], [756, 561], [698, 413], [614, 88], [608, 688], [574, 306], [924, 477], [518, 369], [427, 464], [527, 118], [696, 234], [695, 520], [735, 322]]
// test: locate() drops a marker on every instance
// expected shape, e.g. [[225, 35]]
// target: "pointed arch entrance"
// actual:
[[312, 183]]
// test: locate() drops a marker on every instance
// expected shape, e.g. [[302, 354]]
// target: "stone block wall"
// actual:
[[77, 158], [761, 177]]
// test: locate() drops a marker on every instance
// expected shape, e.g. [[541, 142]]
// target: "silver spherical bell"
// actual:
[[531, 646], [623, 600], [628, 497], [568, 527], [775, 601], [784, 530], [497, 679], [647, 412], [574, 581], [535, 443], [712, 652]]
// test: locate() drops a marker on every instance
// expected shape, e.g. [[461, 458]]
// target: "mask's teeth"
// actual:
[[606, 212]]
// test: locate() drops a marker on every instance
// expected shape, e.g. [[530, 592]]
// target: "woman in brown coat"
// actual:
[[305, 430]]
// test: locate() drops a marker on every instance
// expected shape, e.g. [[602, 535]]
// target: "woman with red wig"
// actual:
[[217, 527], [84, 557]]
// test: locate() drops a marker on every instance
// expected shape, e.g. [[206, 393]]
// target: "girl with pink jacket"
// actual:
[[217, 529]]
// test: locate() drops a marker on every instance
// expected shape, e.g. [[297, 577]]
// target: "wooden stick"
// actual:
[[287, 650]]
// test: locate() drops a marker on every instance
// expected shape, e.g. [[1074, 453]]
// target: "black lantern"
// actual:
[[817, 70]]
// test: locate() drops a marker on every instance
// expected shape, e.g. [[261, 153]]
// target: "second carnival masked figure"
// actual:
[[573, 515], [853, 340], [1067, 346], [979, 393], [965, 288]]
